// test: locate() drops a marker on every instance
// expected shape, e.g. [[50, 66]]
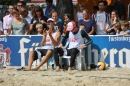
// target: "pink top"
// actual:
[[6, 20]]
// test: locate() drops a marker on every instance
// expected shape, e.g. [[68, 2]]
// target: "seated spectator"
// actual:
[[117, 28], [125, 28], [76, 41], [49, 40], [40, 28], [82, 26], [38, 17], [17, 24], [89, 23], [67, 18], [110, 24]]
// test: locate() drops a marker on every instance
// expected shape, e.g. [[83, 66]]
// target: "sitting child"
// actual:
[[82, 26], [117, 28], [125, 28], [39, 28]]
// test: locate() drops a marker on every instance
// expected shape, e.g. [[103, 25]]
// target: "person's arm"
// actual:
[[65, 37], [55, 40], [9, 28], [92, 31], [43, 37], [4, 23], [85, 35]]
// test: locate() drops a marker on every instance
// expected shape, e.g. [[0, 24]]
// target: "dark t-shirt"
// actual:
[[120, 7], [88, 24], [59, 26], [44, 18]]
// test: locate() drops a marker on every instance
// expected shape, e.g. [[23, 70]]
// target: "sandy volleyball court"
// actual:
[[110, 77]]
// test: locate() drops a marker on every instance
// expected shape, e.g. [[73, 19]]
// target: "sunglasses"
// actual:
[[20, 5], [50, 23]]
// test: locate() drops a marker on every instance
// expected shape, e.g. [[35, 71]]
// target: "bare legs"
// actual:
[[44, 60]]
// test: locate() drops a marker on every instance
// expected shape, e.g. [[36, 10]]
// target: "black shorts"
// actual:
[[41, 51]]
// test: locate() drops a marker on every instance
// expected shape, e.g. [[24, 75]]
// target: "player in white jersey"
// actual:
[[76, 41], [50, 39]]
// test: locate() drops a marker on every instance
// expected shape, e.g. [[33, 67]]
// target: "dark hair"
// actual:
[[105, 3], [101, 2], [38, 9], [20, 2], [96, 8], [68, 15], [49, 1], [10, 5]]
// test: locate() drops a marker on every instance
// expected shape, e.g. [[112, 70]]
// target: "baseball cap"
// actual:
[[71, 25], [50, 20]]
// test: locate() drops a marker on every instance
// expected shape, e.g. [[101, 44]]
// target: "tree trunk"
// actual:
[[64, 6]]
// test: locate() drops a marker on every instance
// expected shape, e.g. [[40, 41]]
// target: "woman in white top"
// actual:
[[50, 39]]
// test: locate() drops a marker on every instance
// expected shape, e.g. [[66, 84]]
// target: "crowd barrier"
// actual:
[[113, 50]]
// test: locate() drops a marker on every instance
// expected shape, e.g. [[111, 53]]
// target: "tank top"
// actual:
[[75, 40], [48, 43]]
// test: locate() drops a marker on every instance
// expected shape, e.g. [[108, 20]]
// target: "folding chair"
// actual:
[[80, 59], [36, 62]]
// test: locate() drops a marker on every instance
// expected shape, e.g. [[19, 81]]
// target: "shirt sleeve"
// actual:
[[4, 23], [85, 35], [65, 37]]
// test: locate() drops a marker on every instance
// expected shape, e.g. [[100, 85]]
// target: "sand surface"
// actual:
[[111, 77]]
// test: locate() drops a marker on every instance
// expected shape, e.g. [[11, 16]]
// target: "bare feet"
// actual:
[[57, 69], [69, 69]]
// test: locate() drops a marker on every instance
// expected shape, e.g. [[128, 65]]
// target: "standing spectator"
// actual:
[[79, 15], [120, 7], [50, 8], [67, 18], [58, 25], [24, 15], [38, 17], [20, 5], [31, 9], [17, 24], [113, 20], [89, 24], [7, 18], [101, 18]]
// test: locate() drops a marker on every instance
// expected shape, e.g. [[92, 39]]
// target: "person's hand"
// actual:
[[82, 46], [125, 33], [60, 45], [34, 21], [42, 21], [49, 31], [7, 34], [44, 33]]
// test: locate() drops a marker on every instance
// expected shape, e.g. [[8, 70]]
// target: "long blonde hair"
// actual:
[[117, 20]]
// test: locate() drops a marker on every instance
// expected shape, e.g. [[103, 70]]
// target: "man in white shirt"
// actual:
[[101, 18]]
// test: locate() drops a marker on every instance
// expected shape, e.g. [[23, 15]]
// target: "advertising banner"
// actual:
[[113, 50]]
